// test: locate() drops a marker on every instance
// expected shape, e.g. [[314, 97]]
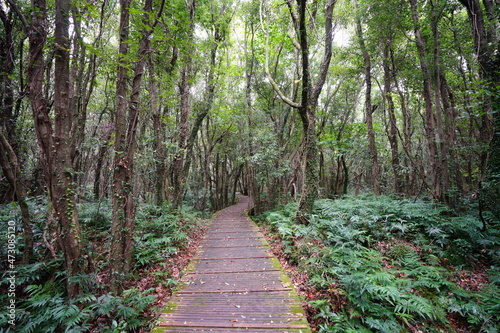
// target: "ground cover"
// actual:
[[381, 264], [165, 240]]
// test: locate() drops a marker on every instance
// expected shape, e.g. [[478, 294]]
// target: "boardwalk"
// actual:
[[234, 284]]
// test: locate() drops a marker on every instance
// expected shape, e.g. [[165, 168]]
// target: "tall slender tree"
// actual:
[[178, 176], [9, 161], [56, 136], [309, 97], [126, 122], [430, 118], [485, 22], [369, 108], [393, 131]]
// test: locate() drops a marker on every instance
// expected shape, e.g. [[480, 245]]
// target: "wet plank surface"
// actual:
[[234, 284]]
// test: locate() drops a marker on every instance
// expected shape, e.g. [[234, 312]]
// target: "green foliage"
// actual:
[[392, 259], [124, 313], [42, 303], [160, 233], [48, 310], [95, 216], [11, 212]]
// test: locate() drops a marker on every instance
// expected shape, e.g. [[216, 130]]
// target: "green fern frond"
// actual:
[[417, 306]]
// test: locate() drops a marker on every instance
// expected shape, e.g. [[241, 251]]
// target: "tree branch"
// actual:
[[269, 76], [15, 7], [327, 56]]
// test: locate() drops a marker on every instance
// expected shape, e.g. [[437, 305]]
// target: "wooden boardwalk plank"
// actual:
[[233, 242], [234, 284], [234, 252]]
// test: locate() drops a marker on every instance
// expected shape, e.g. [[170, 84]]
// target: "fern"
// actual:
[[47, 310], [159, 234], [383, 325], [416, 306], [402, 286], [126, 311]]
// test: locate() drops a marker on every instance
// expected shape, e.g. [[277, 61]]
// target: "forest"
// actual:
[[366, 132]]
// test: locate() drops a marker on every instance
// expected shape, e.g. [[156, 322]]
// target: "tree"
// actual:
[[123, 221], [369, 108], [218, 26], [9, 161], [430, 120], [178, 175], [392, 133], [484, 24], [310, 93], [56, 136]]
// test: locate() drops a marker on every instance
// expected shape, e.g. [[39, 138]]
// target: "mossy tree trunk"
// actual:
[[123, 220], [484, 24], [57, 136], [310, 92]]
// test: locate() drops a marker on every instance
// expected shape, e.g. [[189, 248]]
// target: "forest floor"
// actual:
[[474, 279], [174, 267]]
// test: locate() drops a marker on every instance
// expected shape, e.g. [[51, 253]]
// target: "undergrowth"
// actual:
[[393, 265], [41, 301]]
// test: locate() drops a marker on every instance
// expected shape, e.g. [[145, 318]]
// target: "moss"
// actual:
[[158, 330], [170, 307], [191, 266], [298, 316], [295, 307]]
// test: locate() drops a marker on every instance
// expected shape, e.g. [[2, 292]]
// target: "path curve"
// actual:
[[234, 284]]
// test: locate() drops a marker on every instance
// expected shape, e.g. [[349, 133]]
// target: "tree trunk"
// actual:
[[159, 130], [307, 114], [12, 171], [486, 41], [159, 127], [123, 222], [57, 147], [56, 140], [407, 132], [309, 101], [7, 57], [369, 109], [442, 159], [39, 105], [9, 161], [179, 159], [450, 116], [392, 133], [178, 176], [104, 141], [120, 251], [430, 127]]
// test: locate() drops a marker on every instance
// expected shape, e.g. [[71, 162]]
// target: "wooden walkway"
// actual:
[[234, 284]]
